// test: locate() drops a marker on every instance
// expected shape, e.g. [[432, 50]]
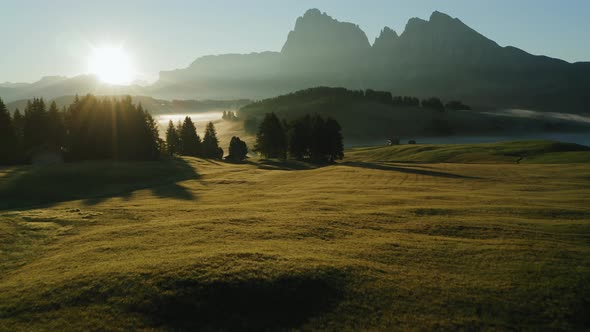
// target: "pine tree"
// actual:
[[318, 146], [153, 137], [210, 146], [55, 127], [299, 137], [8, 138], [335, 141], [35, 128], [18, 122], [172, 139], [271, 140], [191, 142]]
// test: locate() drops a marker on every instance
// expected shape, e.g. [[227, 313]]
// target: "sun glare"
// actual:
[[112, 65]]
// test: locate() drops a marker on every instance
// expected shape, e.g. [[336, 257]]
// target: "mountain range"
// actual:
[[439, 57]]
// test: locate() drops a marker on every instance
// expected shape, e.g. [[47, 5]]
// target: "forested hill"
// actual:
[[379, 115]]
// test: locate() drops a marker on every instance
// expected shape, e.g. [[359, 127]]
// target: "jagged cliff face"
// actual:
[[321, 44], [317, 34], [386, 42]]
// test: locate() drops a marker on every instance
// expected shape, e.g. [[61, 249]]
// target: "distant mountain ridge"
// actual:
[[440, 56]]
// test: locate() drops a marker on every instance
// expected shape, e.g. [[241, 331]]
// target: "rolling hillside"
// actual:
[[359, 245], [365, 119], [536, 152]]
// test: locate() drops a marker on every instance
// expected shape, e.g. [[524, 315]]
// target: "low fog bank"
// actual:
[[519, 113]]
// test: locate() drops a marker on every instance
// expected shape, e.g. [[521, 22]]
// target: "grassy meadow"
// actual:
[[375, 242]]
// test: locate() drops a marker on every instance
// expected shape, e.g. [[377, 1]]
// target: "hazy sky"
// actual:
[[54, 37]]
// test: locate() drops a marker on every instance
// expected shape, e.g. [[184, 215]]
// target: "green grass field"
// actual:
[[537, 152], [371, 243]]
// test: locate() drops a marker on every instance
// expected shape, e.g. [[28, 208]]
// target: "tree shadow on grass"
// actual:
[[410, 170], [279, 304], [287, 165], [93, 182]]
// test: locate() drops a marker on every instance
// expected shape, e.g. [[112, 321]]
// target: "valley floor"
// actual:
[[352, 246]]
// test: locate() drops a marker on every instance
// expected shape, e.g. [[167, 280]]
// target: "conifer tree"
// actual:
[[334, 138], [191, 142], [35, 128], [8, 139], [271, 141], [18, 122], [210, 146], [299, 137], [153, 137], [55, 127], [172, 139]]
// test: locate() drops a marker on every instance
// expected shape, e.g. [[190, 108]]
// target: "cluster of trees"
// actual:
[[405, 101], [308, 137], [183, 139], [437, 105], [229, 115], [91, 128], [433, 104], [457, 105]]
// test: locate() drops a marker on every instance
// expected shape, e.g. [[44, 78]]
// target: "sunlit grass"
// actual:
[[359, 245]]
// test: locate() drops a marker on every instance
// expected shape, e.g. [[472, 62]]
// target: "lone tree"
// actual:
[[173, 139], [191, 142], [271, 141], [237, 149], [210, 144], [8, 139]]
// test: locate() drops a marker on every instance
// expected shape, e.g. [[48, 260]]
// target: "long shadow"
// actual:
[[93, 182], [281, 304], [406, 170], [287, 165], [414, 164]]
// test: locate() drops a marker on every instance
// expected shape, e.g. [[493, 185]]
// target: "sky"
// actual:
[[43, 38]]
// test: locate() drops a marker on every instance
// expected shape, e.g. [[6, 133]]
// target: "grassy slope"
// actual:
[[505, 152], [350, 246]]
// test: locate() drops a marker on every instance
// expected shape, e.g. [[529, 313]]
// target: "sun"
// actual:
[[112, 65]]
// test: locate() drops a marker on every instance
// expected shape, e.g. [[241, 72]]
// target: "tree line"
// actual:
[[183, 139], [343, 94], [94, 128], [90, 128], [308, 137]]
